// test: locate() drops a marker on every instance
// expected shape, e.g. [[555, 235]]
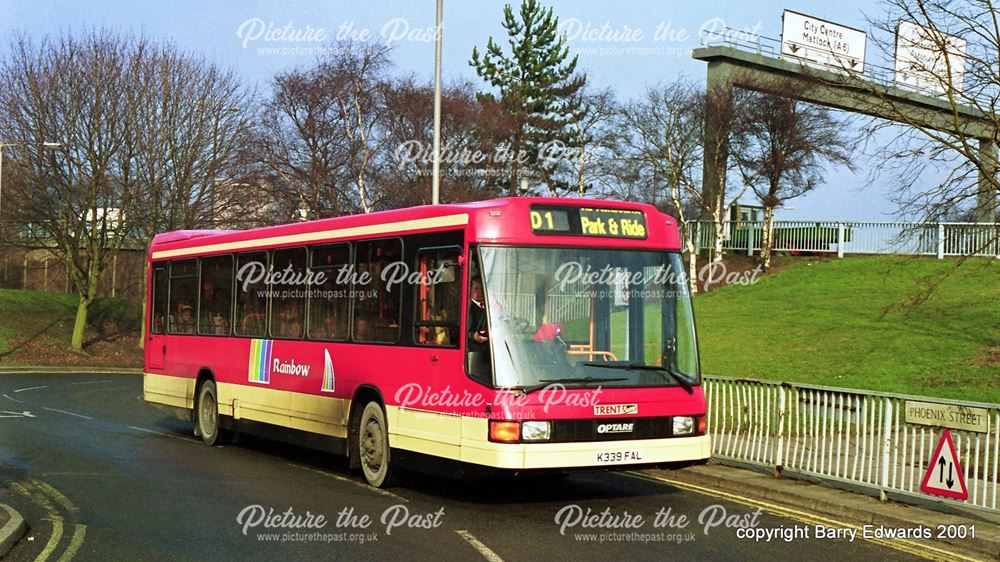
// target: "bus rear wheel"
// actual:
[[373, 446], [207, 413]]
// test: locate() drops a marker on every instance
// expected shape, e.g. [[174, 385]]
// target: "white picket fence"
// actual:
[[853, 237], [850, 436]]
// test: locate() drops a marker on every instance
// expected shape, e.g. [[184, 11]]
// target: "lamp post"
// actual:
[[436, 178], [4, 145]]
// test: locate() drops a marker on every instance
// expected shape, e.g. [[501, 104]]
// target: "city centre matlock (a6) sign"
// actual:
[[944, 474], [821, 43], [928, 60]]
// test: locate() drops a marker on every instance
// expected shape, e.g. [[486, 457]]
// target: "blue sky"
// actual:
[[626, 46]]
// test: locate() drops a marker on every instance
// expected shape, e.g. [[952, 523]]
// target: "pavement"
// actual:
[[12, 528], [844, 508]]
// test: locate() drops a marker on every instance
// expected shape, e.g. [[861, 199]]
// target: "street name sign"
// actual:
[[951, 416]]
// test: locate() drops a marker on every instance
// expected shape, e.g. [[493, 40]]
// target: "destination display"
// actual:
[[588, 221]]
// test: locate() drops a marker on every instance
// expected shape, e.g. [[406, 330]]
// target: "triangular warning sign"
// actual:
[[944, 474]]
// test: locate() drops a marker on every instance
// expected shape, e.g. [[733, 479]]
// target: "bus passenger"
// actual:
[[361, 329], [185, 319]]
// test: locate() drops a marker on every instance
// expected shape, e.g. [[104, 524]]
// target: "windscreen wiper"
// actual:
[[681, 379], [570, 380]]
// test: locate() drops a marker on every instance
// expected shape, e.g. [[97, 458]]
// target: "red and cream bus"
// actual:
[[515, 334]]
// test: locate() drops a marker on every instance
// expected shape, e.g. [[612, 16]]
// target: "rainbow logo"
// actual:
[[329, 381], [259, 370]]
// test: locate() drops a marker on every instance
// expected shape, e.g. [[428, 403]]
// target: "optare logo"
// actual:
[[615, 428], [615, 409]]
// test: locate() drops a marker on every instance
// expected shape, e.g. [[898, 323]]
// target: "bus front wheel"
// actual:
[[207, 413], [373, 446]]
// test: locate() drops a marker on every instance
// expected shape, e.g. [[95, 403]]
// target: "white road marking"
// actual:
[[478, 545], [89, 382], [9, 414], [29, 388], [14, 399], [161, 434], [67, 413], [379, 491]]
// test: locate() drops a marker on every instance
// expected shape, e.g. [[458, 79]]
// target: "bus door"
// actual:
[[438, 312], [156, 341]]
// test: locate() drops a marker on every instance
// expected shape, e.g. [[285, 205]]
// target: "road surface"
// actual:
[[100, 475]]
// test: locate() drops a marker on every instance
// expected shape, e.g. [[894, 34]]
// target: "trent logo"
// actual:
[[259, 369]]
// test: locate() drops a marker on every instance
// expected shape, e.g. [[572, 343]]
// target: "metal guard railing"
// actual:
[[855, 436]]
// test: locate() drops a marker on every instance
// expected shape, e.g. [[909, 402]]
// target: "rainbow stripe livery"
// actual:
[[328, 379], [259, 370]]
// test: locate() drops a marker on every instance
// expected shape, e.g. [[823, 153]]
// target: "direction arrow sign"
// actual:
[[944, 474], [821, 43], [8, 414], [929, 60]]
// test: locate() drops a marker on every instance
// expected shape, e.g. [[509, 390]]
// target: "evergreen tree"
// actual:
[[537, 87]]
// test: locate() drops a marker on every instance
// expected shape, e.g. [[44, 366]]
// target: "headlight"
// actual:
[[536, 431], [684, 425]]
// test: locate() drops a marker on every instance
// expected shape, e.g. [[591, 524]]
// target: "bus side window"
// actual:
[[288, 300], [251, 295], [438, 298], [183, 296], [159, 315], [329, 301], [376, 303], [215, 304]]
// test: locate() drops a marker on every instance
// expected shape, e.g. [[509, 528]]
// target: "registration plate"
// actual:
[[619, 456]]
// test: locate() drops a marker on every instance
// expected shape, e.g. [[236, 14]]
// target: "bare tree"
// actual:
[[302, 145], [960, 42], [666, 137], [192, 129], [723, 111], [467, 127], [81, 201], [145, 132], [358, 72], [786, 146], [596, 137], [323, 134]]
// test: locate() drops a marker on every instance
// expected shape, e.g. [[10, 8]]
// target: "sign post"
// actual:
[[944, 474], [822, 43]]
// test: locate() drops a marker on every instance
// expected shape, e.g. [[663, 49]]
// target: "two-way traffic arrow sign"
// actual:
[[944, 474]]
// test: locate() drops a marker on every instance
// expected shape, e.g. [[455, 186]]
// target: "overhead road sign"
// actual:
[[821, 43], [928, 60]]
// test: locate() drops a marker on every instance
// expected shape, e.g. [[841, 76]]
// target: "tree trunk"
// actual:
[[692, 267], [767, 237], [718, 221], [87, 295], [142, 325]]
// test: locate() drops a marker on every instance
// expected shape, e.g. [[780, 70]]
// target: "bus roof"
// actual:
[[501, 221]]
